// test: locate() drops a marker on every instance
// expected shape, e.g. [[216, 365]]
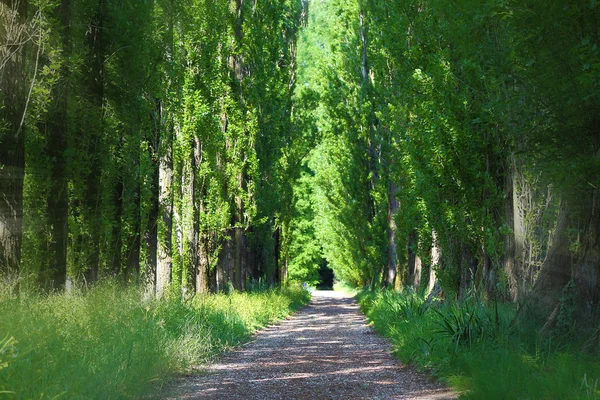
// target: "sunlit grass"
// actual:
[[474, 348], [344, 287], [110, 343]]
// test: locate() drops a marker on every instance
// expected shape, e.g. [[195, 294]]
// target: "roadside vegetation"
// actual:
[[486, 351], [110, 342]]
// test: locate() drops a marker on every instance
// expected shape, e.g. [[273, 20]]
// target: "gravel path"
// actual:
[[325, 351]]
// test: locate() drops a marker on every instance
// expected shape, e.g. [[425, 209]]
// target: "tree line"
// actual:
[[149, 140], [458, 149], [448, 147]]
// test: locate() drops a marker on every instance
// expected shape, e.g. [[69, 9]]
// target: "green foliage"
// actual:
[[349, 208], [120, 86], [470, 321], [111, 342], [305, 250], [477, 351], [565, 320], [451, 103]]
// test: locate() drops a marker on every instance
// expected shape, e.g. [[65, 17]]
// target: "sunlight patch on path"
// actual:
[[325, 351]]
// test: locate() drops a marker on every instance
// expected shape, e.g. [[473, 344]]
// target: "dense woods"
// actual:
[[458, 149], [145, 140], [442, 156], [195, 145]]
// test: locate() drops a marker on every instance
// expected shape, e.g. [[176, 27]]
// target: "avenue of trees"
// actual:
[[148, 140], [451, 147], [458, 149]]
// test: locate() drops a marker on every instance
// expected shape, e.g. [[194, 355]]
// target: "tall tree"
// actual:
[[55, 126], [14, 95]]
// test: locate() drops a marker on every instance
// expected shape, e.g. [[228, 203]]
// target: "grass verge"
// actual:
[[477, 351], [110, 343]]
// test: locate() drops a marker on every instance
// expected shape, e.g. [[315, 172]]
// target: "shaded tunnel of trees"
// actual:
[[195, 146]]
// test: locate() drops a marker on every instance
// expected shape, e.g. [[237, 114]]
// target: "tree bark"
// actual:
[[96, 89], [433, 286], [164, 264], [392, 255], [411, 249], [225, 264], [510, 251], [467, 271], [117, 223], [278, 275], [189, 214], [132, 270], [572, 258], [586, 274], [555, 272], [373, 156], [13, 95], [151, 229], [56, 145], [416, 283], [203, 264]]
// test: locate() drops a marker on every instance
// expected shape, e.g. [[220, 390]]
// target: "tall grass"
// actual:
[[476, 349], [110, 343]]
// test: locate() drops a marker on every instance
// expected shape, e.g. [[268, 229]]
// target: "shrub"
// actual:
[[110, 343], [473, 347]]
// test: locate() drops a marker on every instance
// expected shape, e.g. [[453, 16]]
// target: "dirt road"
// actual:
[[325, 351]]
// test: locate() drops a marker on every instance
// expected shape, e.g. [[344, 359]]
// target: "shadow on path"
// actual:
[[326, 351]]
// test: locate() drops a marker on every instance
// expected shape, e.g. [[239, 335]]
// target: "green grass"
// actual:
[[344, 287], [110, 343], [477, 351]]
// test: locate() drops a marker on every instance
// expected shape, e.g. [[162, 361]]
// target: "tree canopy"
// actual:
[[192, 145]]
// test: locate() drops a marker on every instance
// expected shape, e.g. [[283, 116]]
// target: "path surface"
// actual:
[[325, 351]]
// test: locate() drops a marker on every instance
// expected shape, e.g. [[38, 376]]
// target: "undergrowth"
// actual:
[[341, 286], [480, 351], [111, 343]]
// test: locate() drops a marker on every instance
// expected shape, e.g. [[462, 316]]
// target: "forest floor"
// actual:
[[325, 351]]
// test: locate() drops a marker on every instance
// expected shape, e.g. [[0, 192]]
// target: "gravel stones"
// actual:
[[325, 351]]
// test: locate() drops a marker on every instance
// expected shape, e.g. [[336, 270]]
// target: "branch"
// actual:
[[37, 59]]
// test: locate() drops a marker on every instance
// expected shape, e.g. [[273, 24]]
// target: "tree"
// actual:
[[13, 106]]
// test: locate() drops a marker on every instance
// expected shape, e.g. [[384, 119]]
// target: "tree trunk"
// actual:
[[278, 275], [586, 274], [238, 235], [225, 264], [151, 229], [433, 286], [510, 251], [555, 272], [189, 214], [238, 239], [575, 258], [202, 269], [416, 283], [201, 238], [467, 271], [164, 264], [95, 81], [56, 127], [392, 256], [366, 89], [411, 249], [13, 104], [117, 224], [132, 270]]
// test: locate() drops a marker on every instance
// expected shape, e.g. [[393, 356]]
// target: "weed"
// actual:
[[473, 347], [110, 343]]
